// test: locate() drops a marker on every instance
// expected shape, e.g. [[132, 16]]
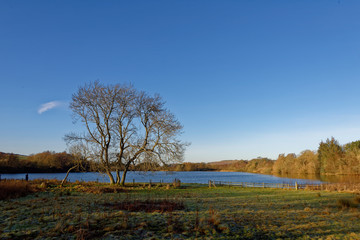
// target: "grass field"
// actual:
[[93, 211]]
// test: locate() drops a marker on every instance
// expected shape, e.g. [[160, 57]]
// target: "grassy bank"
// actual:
[[93, 211]]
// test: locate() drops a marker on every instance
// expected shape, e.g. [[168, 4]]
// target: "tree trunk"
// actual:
[[122, 183], [117, 176], [111, 177], [67, 174]]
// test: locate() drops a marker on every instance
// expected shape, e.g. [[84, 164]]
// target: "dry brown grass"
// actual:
[[92, 187], [15, 188], [337, 187], [344, 203]]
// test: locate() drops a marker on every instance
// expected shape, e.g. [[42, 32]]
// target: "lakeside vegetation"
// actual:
[[97, 211], [331, 158]]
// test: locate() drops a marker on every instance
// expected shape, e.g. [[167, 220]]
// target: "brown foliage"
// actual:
[[306, 163], [47, 161], [260, 165], [15, 188], [51, 160]]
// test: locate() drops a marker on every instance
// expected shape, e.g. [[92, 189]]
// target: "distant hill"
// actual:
[[20, 156]]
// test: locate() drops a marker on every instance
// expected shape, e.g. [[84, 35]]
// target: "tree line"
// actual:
[[47, 161], [331, 158]]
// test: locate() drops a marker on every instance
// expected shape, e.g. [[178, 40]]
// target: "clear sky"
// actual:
[[245, 78]]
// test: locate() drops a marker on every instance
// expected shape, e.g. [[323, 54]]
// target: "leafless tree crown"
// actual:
[[124, 127]]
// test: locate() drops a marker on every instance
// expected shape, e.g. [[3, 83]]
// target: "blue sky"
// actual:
[[245, 78]]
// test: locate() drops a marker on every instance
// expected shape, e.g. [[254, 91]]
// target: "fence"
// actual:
[[266, 185]]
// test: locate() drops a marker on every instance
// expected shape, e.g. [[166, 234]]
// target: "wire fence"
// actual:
[[295, 185]]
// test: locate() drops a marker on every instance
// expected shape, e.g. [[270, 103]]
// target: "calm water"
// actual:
[[327, 178], [185, 177]]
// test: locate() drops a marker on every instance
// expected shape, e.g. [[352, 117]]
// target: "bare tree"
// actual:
[[94, 106], [80, 154], [147, 134], [126, 127]]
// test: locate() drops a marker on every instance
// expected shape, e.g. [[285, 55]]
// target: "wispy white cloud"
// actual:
[[48, 106]]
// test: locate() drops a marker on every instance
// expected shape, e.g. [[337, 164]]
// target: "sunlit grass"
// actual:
[[77, 211]]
